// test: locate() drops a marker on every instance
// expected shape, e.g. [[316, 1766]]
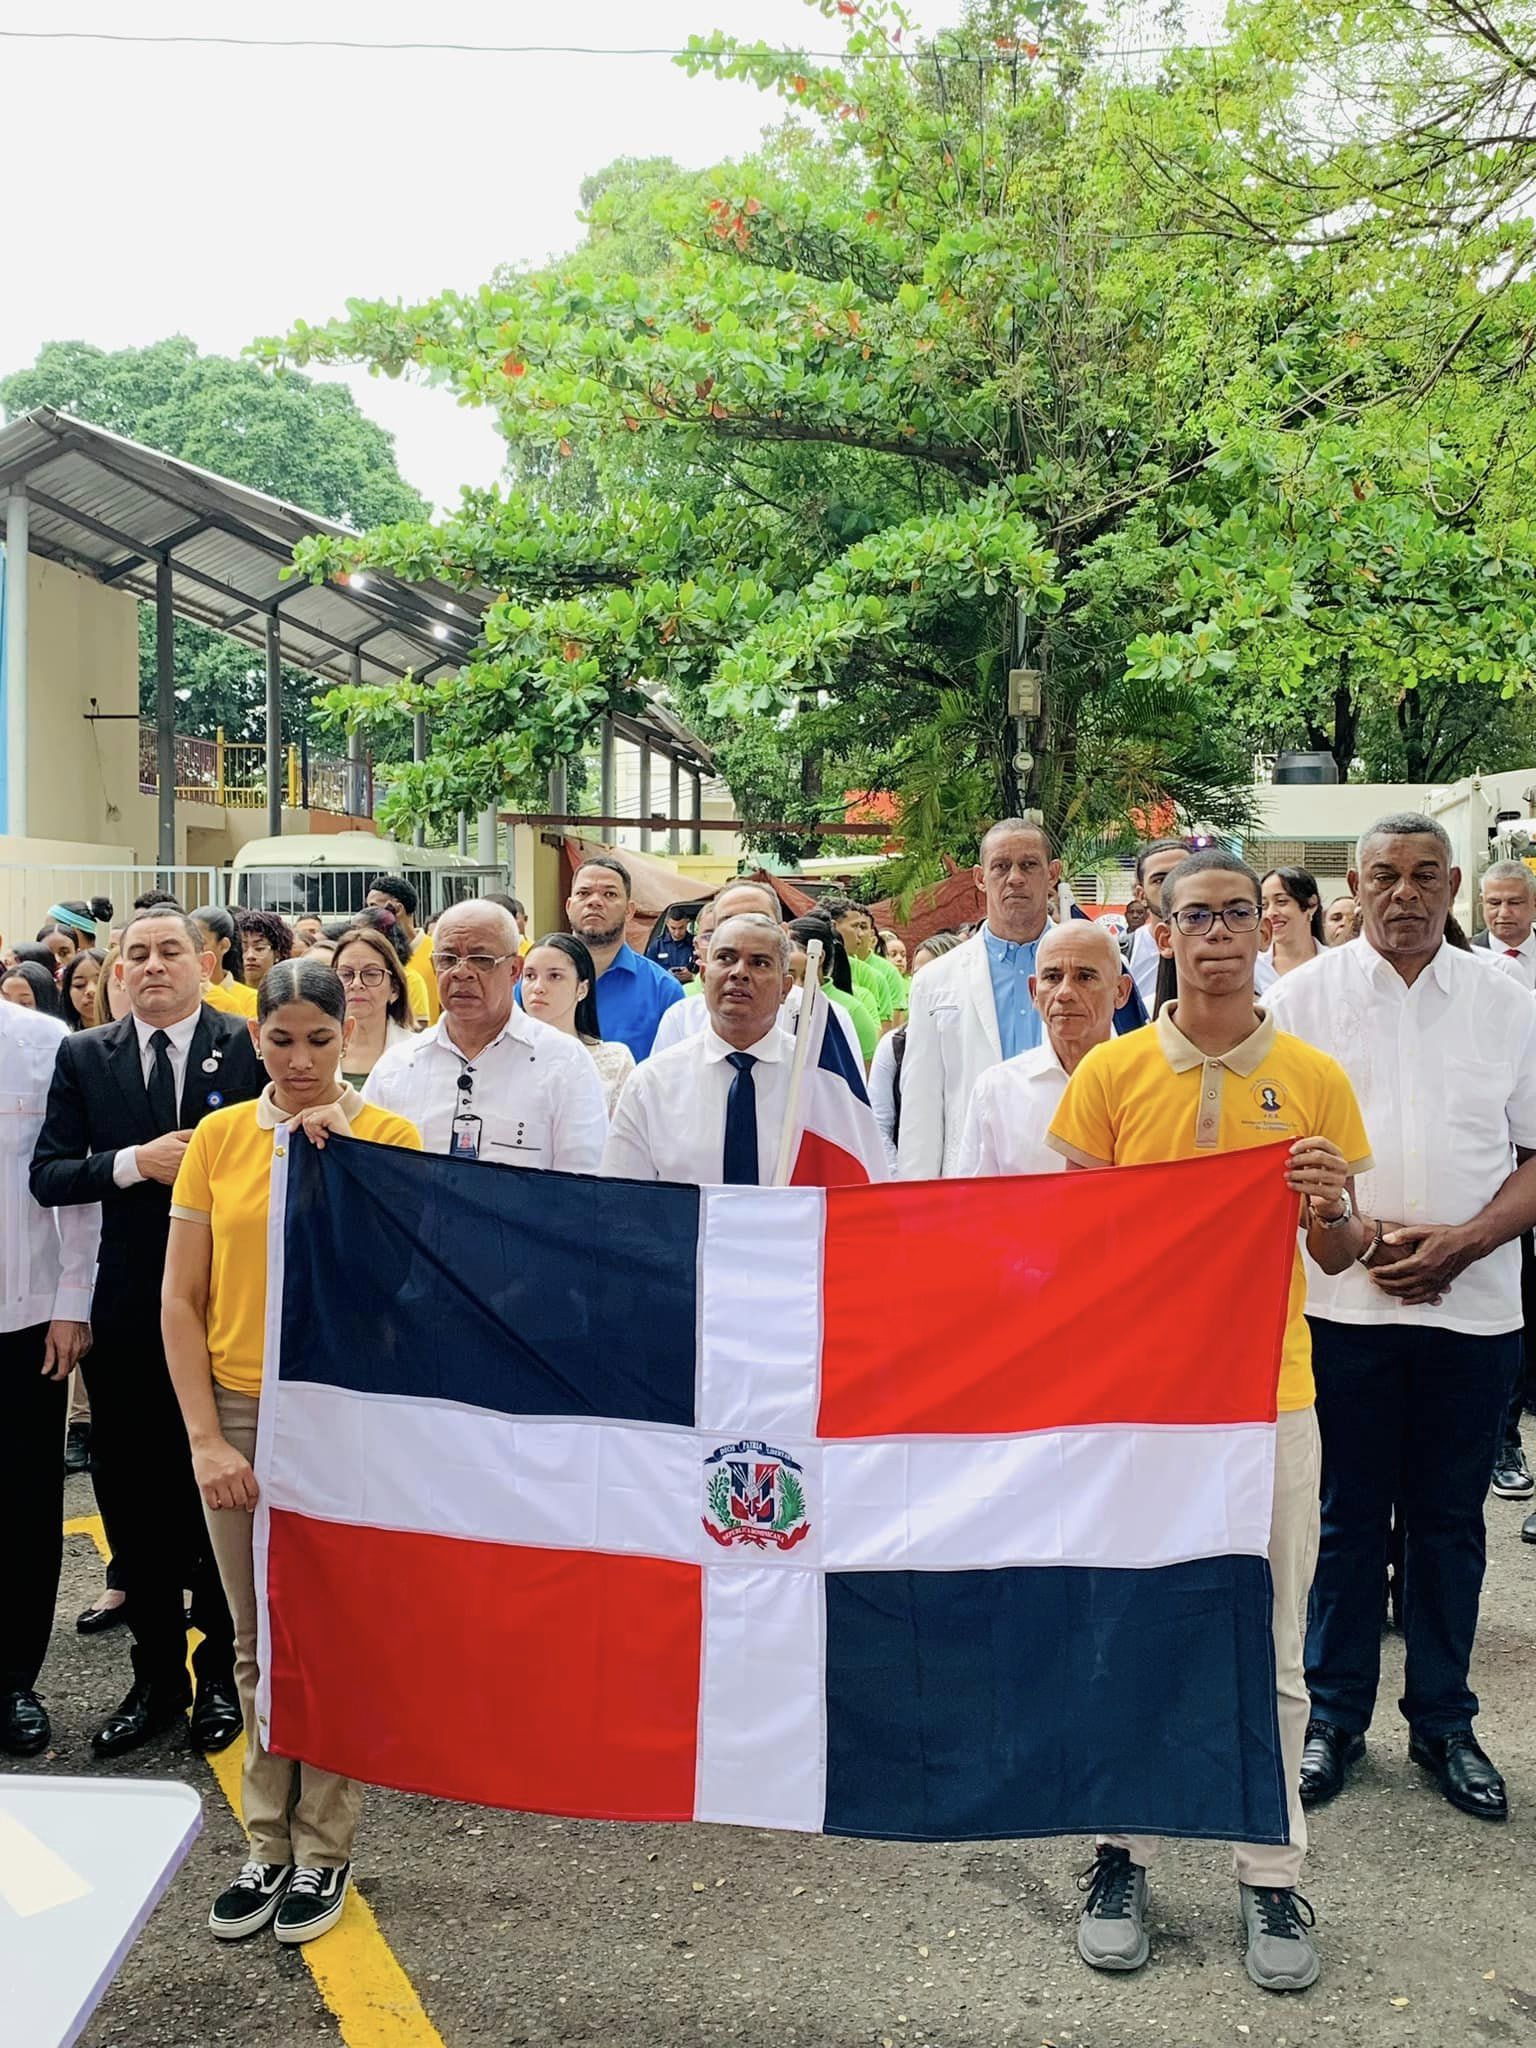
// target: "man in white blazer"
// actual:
[[972, 1008]]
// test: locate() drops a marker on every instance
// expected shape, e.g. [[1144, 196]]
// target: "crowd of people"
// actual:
[[150, 1076]]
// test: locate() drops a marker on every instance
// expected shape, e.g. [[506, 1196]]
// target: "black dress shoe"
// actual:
[[147, 1711], [1528, 1529], [1325, 1760], [24, 1729], [1463, 1773], [96, 1621], [77, 1447], [216, 1718]]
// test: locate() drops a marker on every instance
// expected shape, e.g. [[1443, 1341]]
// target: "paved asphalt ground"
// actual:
[[519, 1930]]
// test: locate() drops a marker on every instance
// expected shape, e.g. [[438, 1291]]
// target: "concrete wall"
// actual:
[[83, 778]]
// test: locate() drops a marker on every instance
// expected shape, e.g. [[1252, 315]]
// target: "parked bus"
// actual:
[[330, 873]]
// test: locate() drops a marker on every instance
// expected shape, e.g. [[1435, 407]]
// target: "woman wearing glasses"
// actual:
[[378, 1001], [213, 1309]]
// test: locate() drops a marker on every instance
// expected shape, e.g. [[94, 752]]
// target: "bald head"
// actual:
[[755, 897], [1078, 983]]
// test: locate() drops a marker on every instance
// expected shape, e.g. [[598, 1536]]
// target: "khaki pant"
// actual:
[[1292, 1560], [79, 1400], [294, 1813]]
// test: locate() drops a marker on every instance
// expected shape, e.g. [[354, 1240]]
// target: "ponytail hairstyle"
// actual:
[[301, 981], [220, 927], [79, 920], [804, 929]]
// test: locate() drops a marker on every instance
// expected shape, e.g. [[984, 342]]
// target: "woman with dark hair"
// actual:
[[227, 989], [264, 940], [374, 919], [1295, 912], [33, 987], [378, 1008], [300, 1819], [79, 920], [77, 988], [40, 956], [836, 976], [560, 989]]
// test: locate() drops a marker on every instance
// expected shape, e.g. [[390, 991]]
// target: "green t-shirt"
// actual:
[[865, 1023], [879, 981]]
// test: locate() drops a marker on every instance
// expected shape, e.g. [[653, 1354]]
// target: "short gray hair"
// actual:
[[1509, 871], [1078, 927], [762, 926], [481, 906], [1404, 825]]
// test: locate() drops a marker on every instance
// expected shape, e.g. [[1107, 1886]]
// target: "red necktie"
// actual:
[[1511, 952]]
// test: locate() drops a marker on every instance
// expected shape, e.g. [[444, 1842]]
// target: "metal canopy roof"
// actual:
[[113, 509]]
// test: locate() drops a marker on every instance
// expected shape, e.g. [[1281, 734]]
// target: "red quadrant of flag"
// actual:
[[593, 1658], [988, 1319]]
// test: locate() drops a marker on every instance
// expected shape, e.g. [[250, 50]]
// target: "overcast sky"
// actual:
[[224, 193]]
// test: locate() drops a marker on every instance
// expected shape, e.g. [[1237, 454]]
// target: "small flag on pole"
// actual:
[[830, 1138]]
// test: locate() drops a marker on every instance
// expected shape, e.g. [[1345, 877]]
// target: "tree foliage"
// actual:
[[992, 356], [288, 436]]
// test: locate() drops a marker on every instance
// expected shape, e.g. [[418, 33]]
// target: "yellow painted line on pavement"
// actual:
[[355, 1970]]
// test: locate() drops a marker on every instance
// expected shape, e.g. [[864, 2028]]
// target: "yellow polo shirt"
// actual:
[[237, 999], [223, 1182], [1150, 1095], [421, 964]]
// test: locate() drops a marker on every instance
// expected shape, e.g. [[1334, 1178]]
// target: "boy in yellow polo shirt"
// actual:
[[1214, 1075]]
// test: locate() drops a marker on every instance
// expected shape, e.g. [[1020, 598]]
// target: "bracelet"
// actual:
[[1364, 1258]]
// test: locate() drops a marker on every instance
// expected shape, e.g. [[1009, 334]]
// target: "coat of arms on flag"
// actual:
[[587, 1452]]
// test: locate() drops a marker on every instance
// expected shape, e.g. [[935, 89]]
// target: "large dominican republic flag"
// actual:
[[642, 1502]]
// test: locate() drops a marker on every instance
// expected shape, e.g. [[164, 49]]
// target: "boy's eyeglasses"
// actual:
[[1198, 918]]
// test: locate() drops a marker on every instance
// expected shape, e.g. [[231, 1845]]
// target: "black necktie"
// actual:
[[741, 1124], [162, 1083]]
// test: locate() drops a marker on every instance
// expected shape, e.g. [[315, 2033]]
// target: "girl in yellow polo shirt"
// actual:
[[213, 1311], [226, 989]]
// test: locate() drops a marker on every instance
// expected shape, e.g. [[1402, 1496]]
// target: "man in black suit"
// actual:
[[120, 1112]]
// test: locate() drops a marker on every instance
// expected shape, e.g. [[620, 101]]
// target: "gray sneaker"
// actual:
[[1112, 1934], [1280, 1954]]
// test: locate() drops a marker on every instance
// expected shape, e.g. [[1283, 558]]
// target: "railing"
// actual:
[[234, 773]]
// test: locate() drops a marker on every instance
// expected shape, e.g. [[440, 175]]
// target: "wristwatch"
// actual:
[[1346, 1215]]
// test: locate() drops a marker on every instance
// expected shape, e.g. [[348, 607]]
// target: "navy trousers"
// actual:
[[1415, 1416]]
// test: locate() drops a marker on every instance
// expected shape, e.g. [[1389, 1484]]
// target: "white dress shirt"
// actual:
[[670, 1119], [125, 1167], [882, 1095], [1143, 963], [1445, 1075], [47, 1256], [1010, 1113], [1518, 962], [536, 1092], [689, 1017]]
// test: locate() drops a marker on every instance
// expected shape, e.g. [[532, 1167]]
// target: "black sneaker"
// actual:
[[313, 1902], [77, 1447], [1512, 1476], [248, 1905]]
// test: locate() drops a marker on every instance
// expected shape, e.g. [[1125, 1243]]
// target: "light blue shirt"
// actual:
[[1018, 1021]]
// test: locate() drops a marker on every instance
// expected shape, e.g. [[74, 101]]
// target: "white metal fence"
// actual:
[[26, 892]]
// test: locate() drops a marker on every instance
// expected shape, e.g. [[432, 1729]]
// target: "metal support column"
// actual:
[[355, 747], [17, 541], [485, 837], [605, 771], [695, 838], [274, 726], [558, 790], [419, 753], [674, 797], [165, 721], [464, 833], [645, 796]]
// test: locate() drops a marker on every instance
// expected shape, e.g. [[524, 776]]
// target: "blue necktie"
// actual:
[[741, 1124]]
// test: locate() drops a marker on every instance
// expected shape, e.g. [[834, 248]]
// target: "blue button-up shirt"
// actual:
[[631, 996], [1011, 965]]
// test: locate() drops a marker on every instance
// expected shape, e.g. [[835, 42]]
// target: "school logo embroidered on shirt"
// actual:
[[754, 1494], [1269, 1096]]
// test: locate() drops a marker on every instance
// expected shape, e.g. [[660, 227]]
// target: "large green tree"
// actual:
[[288, 436], [963, 372]]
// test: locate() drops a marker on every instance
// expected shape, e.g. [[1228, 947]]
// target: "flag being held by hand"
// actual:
[[631, 1479], [830, 1135]]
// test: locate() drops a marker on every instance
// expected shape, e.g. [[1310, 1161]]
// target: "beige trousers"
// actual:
[[294, 1813], [1293, 1533], [79, 1400]]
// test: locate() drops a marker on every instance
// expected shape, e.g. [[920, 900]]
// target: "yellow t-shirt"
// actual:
[[421, 966], [1150, 1095], [421, 997], [237, 999], [223, 1182]]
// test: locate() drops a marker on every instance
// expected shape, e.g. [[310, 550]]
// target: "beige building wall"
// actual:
[[83, 777]]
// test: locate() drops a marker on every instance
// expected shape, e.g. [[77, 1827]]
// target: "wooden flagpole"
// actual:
[[811, 1000]]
